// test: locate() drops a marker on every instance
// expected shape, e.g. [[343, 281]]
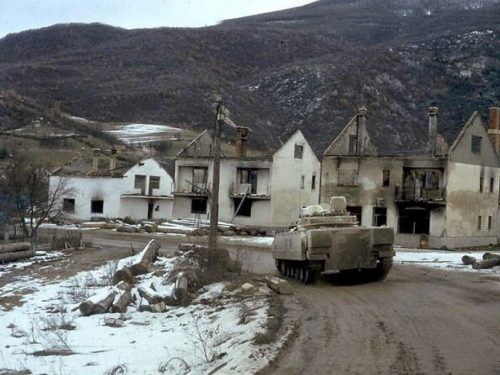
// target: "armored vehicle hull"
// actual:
[[333, 242]]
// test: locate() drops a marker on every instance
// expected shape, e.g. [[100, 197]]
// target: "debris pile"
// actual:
[[177, 226]]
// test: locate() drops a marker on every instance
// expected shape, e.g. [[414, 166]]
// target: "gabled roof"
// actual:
[[201, 147], [297, 133], [460, 135]]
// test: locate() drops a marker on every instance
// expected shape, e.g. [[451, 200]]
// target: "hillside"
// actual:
[[308, 68]]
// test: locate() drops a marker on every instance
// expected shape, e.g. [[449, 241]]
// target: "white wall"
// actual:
[[86, 189], [287, 193]]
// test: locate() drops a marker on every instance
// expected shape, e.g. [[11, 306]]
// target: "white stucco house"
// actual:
[[144, 191], [265, 192]]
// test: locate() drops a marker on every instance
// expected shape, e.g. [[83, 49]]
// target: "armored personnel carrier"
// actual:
[[330, 240]]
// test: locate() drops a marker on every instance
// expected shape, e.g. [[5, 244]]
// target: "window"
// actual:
[[140, 183], [154, 182], [242, 207], [199, 206], [353, 139], [68, 205], [386, 178], [475, 147], [199, 178], [298, 152], [479, 222], [481, 187], [489, 222], [96, 206], [492, 185], [379, 216], [313, 182], [249, 176], [302, 181]]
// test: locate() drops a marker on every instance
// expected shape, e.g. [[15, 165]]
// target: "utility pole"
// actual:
[[214, 207]]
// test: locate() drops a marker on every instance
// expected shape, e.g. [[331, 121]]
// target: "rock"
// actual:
[[279, 286], [248, 288], [159, 307], [111, 322], [144, 307]]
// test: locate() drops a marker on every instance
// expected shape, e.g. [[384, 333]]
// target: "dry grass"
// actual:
[[275, 316]]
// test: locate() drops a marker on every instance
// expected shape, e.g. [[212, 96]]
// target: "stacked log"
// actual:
[[16, 251], [102, 306], [490, 260], [144, 259]]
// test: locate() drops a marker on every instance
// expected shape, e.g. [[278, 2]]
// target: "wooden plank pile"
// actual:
[[16, 251], [489, 260]]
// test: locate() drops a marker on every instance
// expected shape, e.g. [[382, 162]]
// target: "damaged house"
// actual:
[[445, 196], [265, 192], [142, 191]]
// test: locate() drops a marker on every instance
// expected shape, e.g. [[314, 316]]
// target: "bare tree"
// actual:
[[25, 185]]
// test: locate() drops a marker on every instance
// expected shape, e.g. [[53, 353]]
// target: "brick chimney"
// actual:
[[433, 121], [95, 160], [493, 131], [241, 140], [112, 160]]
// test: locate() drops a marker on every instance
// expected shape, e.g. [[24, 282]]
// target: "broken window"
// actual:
[[96, 206], [492, 185], [302, 182], [242, 207], [298, 151], [386, 178], [140, 183], [199, 178], [379, 216], [313, 182], [479, 222], [476, 144], [348, 177], [356, 211], [154, 183], [199, 206], [68, 205], [353, 139], [249, 176], [489, 222], [481, 183]]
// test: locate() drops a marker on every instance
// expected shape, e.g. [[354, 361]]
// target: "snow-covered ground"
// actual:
[[207, 334], [144, 133], [216, 330]]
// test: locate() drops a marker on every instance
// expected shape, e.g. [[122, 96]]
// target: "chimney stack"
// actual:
[[493, 131], [361, 129], [112, 160], [95, 160], [433, 120], [241, 139]]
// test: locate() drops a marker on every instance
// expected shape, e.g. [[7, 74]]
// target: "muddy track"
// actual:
[[419, 321]]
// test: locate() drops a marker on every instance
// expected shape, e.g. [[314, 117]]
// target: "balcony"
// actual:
[[189, 189], [251, 192], [410, 193]]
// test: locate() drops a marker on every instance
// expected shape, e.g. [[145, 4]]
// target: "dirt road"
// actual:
[[419, 321]]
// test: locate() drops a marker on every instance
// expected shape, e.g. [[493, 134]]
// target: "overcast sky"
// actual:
[[19, 15]]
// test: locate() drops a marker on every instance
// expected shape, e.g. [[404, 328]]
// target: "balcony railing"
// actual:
[[240, 190], [188, 188], [419, 194]]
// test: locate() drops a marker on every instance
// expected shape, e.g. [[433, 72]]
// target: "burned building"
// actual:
[[445, 196]]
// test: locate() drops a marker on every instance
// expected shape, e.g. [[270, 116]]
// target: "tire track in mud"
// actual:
[[419, 321]]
